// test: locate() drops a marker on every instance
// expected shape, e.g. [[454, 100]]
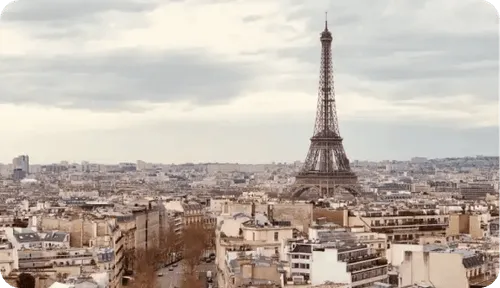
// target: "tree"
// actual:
[[193, 243], [145, 272], [128, 259], [26, 280], [194, 246], [169, 243], [191, 281]]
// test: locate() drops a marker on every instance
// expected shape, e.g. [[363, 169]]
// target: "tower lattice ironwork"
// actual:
[[326, 166]]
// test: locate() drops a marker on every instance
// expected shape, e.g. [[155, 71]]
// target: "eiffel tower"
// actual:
[[326, 167]]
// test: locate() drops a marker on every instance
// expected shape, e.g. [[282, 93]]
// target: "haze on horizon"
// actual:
[[233, 81]]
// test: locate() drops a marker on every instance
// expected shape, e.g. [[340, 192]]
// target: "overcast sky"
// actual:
[[228, 80]]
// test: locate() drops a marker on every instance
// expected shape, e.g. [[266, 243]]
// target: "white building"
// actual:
[[341, 259]]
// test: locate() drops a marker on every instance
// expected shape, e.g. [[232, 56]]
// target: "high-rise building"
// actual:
[[20, 166]]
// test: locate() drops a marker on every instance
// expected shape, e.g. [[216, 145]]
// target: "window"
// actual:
[[295, 265], [276, 234]]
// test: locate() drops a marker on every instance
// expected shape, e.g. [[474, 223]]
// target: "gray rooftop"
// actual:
[[27, 237], [55, 236]]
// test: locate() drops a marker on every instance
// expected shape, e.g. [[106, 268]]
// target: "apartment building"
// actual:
[[147, 227], [476, 191], [23, 238], [117, 245], [89, 231], [300, 214], [127, 226], [375, 241], [351, 265], [464, 268], [324, 230], [248, 271], [470, 224], [192, 213], [254, 234], [67, 260], [7, 219], [404, 225], [50, 253], [8, 256], [336, 257]]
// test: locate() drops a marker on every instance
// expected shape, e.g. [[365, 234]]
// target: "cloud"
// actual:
[[93, 66], [114, 80], [57, 12]]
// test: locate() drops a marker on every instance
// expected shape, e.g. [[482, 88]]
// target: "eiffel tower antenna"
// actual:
[[326, 166], [326, 20]]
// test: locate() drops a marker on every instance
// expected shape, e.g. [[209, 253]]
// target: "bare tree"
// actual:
[[197, 239], [145, 272], [193, 243], [194, 246], [169, 243], [128, 259], [191, 281]]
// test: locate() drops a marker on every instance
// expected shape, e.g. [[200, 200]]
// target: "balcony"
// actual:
[[372, 278], [409, 224], [353, 248], [366, 257], [400, 214], [367, 266], [409, 229], [48, 257], [118, 239], [431, 228]]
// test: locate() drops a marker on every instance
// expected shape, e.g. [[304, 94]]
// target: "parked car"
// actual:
[[160, 274]]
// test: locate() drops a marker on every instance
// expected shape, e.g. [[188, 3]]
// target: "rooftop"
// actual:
[[55, 236]]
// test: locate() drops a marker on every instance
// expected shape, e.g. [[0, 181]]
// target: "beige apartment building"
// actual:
[[299, 214], [147, 227], [8, 257], [192, 213], [242, 234], [467, 224], [463, 268], [244, 270], [407, 225], [90, 231]]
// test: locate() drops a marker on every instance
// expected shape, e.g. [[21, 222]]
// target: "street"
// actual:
[[171, 279]]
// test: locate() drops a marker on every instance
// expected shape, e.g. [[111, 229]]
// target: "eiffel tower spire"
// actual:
[[326, 166]]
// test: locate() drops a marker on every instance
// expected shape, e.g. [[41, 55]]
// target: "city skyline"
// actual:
[[129, 161], [418, 89]]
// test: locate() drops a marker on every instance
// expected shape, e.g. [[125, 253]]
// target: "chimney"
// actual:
[[253, 209]]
